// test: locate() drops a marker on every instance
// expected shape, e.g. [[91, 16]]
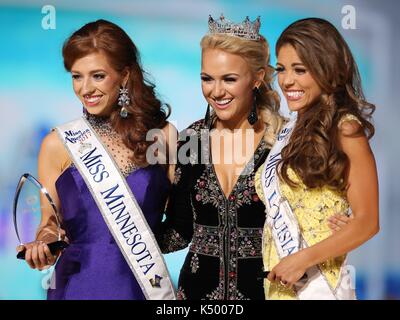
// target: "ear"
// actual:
[[259, 77], [125, 76]]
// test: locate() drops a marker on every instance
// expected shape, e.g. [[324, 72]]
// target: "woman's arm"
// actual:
[[362, 194], [177, 228]]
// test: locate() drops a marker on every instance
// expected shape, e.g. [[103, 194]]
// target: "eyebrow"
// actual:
[[92, 72], [224, 75], [293, 64]]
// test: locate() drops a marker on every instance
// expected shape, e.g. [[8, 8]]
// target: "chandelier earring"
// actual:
[[123, 101]]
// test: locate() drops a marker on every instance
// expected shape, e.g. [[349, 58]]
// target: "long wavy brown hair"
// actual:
[[145, 111], [313, 151]]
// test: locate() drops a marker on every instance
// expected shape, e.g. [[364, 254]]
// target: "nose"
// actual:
[[87, 86], [218, 89], [287, 79]]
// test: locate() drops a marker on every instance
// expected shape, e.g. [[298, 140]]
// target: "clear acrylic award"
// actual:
[[27, 213]]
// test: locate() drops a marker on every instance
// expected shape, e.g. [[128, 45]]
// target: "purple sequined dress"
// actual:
[[93, 267]]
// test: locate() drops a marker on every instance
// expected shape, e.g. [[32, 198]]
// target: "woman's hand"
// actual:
[[289, 270], [338, 221], [38, 255]]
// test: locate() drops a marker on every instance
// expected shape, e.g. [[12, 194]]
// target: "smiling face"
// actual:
[[96, 83], [227, 84], [297, 84]]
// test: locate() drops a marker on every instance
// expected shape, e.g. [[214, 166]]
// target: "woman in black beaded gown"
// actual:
[[213, 204]]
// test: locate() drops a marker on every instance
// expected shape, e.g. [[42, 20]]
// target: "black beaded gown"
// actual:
[[224, 261]]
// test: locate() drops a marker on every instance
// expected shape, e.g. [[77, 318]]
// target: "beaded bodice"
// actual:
[[113, 141]]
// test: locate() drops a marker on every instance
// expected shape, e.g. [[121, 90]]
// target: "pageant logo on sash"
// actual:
[[156, 281], [283, 134], [84, 146], [120, 210], [76, 136]]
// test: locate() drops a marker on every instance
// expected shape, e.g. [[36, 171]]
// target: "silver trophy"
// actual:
[[28, 210]]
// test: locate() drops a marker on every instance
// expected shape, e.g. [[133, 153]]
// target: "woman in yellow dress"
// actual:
[[322, 167]]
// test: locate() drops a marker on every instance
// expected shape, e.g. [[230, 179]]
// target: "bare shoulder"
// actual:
[[353, 140], [171, 139], [52, 150], [169, 128], [170, 133], [52, 143]]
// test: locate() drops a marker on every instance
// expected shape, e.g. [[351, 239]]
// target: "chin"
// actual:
[[295, 108], [97, 111], [224, 115], [93, 111], [223, 118]]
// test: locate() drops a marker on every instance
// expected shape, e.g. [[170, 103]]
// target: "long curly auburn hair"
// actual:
[[313, 151], [145, 111]]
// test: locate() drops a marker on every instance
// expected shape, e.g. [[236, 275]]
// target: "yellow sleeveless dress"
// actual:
[[312, 208]]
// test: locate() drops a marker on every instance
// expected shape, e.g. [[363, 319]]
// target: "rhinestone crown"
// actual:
[[246, 29]]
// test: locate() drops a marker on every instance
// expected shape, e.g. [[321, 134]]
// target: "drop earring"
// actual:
[[253, 117], [123, 101], [207, 118]]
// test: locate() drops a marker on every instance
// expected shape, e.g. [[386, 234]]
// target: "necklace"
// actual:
[[113, 142], [102, 125]]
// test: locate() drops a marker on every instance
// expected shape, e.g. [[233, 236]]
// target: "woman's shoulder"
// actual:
[[53, 149], [169, 128], [52, 142], [196, 126], [193, 129], [349, 124], [170, 133]]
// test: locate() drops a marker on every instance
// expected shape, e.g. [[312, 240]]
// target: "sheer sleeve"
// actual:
[[177, 228]]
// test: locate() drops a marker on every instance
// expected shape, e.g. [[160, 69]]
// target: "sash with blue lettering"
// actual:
[[119, 209], [279, 217]]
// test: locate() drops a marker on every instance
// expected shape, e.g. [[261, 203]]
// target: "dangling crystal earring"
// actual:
[[207, 118], [123, 101], [253, 117]]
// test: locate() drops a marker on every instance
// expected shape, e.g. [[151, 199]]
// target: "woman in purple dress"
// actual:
[[120, 106]]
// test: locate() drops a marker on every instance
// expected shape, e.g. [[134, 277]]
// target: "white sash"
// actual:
[[119, 209], [285, 230]]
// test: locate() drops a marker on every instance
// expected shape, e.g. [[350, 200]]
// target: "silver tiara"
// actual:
[[246, 29]]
